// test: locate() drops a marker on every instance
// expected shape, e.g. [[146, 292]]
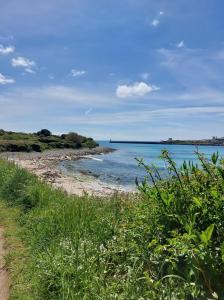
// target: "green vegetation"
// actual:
[[18, 258], [166, 243], [42, 140]]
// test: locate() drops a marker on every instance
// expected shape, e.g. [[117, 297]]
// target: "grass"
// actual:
[[167, 243], [18, 258]]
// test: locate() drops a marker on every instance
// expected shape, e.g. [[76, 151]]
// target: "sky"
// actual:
[[120, 69]]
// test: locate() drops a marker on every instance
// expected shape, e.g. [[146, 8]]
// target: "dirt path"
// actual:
[[4, 276]]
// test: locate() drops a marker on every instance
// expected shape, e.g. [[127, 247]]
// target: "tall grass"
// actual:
[[166, 243]]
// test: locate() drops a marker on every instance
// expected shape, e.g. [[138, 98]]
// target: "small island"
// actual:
[[42, 140]]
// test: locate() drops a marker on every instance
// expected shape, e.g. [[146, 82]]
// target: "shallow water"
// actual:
[[120, 167]]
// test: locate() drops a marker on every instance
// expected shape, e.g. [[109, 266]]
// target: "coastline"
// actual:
[[45, 166]]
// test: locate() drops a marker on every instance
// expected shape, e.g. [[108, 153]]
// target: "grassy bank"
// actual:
[[42, 140], [165, 244]]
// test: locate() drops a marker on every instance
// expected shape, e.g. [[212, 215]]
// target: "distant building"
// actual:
[[170, 139], [216, 140]]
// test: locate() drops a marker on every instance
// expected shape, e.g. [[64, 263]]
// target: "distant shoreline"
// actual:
[[190, 143]]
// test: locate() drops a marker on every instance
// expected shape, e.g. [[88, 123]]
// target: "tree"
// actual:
[[44, 132]]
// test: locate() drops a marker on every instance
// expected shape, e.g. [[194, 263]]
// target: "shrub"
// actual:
[[90, 143], [74, 137], [36, 147], [44, 132], [186, 240]]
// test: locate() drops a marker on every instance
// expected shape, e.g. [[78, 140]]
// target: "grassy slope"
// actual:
[[166, 245], [18, 141]]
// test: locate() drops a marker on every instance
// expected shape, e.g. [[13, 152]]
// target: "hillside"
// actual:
[[42, 140]]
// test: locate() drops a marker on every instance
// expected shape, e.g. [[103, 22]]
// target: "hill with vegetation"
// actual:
[[42, 140], [165, 243]]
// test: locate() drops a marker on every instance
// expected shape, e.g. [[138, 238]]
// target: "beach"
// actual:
[[102, 170], [45, 166]]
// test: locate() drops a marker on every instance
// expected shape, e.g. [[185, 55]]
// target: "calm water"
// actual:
[[120, 167]]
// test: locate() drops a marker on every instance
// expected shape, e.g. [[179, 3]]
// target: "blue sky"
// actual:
[[130, 69]]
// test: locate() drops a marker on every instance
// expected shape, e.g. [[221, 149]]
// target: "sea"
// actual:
[[120, 168]]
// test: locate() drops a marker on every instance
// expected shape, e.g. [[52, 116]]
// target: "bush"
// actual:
[[90, 143], [186, 236], [36, 147], [74, 137], [44, 132], [17, 147]]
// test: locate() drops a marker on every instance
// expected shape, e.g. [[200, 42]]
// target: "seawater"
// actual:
[[121, 168]]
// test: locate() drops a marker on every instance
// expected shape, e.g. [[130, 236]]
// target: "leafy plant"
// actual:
[[186, 252]]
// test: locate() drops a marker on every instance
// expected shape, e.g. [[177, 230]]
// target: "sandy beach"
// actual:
[[45, 166]]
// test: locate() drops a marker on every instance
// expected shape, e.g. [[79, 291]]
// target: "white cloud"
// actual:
[[6, 50], [155, 22], [138, 89], [24, 63], [30, 71], [180, 44], [78, 73], [5, 80]]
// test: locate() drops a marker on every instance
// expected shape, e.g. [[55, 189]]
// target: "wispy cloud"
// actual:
[[51, 76], [138, 89], [78, 73], [219, 55], [88, 111], [52, 105], [192, 67], [145, 76], [5, 80], [6, 38], [58, 95], [6, 50], [145, 116], [180, 44], [156, 21], [25, 63], [31, 71]]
